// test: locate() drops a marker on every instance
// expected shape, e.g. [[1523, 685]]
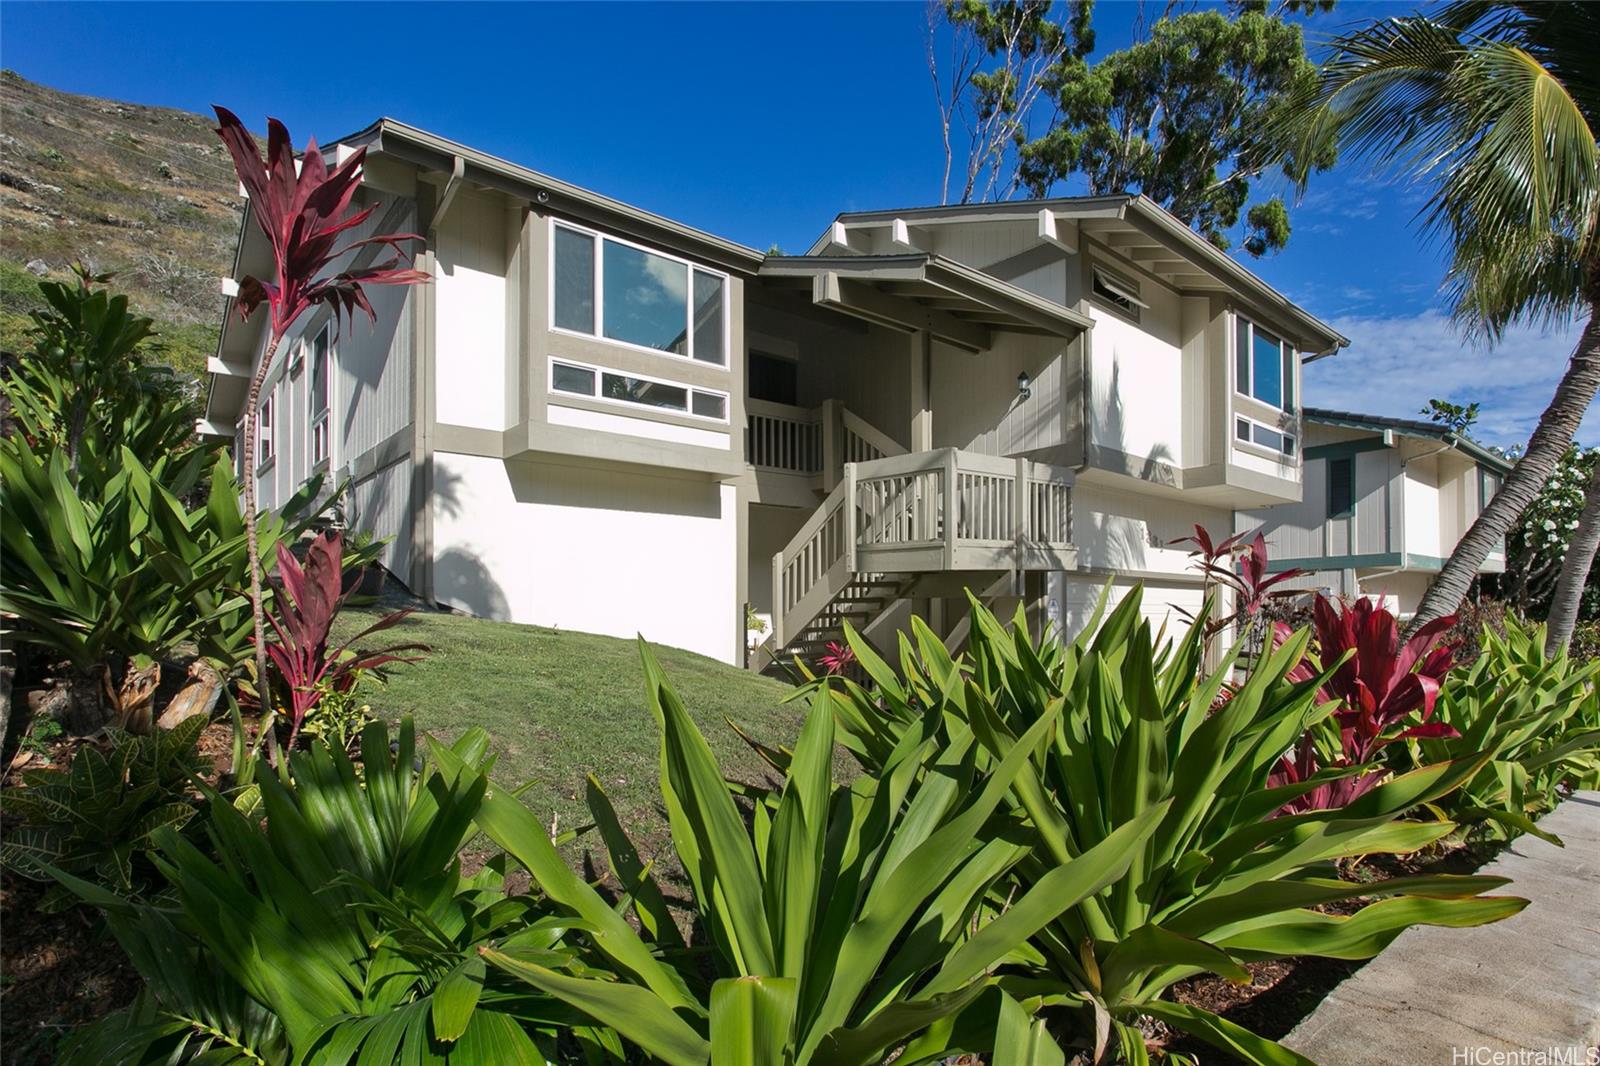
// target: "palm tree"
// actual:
[[1495, 106]]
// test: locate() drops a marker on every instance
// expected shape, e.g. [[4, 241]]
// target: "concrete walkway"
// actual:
[[1497, 994]]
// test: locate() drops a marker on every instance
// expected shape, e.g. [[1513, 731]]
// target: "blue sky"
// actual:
[[758, 122]]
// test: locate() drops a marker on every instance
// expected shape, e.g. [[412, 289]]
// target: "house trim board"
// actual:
[[1388, 560], [1345, 448]]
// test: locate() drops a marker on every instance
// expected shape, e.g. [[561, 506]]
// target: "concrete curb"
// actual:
[[1525, 991]]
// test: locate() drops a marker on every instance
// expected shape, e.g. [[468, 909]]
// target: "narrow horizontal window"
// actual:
[[1114, 290], [645, 392], [1264, 436], [578, 380], [711, 405]]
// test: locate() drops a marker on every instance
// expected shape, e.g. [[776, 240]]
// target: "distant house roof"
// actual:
[[1201, 266], [1411, 427]]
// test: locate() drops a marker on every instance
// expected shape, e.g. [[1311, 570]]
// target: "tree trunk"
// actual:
[[1574, 572], [1557, 426], [258, 614]]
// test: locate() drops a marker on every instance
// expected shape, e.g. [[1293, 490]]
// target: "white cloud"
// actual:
[[1395, 364]]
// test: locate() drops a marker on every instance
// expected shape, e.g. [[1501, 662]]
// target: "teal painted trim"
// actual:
[[1423, 562], [1339, 562], [1345, 447]]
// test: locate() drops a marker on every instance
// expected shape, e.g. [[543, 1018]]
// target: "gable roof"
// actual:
[[400, 140], [1200, 266], [1410, 427]]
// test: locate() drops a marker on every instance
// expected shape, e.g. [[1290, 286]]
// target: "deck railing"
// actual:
[[937, 510], [812, 441]]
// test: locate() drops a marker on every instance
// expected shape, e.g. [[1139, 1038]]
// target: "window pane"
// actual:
[[574, 275], [1267, 383], [710, 405], [319, 372], [648, 393], [1241, 429], [1288, 377], [578, 380], [1241, 355], [1269, 438], [708, 318], [646, 299], [1341, 488]]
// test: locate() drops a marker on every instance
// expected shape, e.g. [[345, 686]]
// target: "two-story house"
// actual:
[[597, 418], [1385, 502]]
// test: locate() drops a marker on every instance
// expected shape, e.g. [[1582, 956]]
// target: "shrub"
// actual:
[[97, 818], [338, 928], [842, 921], [1222, 880], [1537, 718]]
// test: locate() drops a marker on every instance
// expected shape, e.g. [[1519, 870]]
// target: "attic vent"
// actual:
[[1118, 293]]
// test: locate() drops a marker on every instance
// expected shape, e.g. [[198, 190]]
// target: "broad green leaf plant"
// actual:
[[1218, 878], [842, 921], [1536, 716], [335, 926]]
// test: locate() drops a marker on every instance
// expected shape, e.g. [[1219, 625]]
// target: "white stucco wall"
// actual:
[[470, 303], [591, 549], [1422, 509], [1136, 374]]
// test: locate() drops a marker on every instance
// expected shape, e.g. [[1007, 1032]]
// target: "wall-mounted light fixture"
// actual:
[[1024, 386]]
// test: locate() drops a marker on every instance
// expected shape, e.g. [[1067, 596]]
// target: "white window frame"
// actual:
[[266, 419], [599, 336], [1245, 388], [1251, 444], [629, 405], [319, 424]]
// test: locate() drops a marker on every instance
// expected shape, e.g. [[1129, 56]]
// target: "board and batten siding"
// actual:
[[978, 407], [591, 548]]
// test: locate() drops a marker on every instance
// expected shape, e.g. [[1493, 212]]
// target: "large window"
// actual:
[[618, 291], [576, 379], [321, 357], [1263, 365]]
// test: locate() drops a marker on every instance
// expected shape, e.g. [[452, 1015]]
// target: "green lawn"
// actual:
[[561, 705]]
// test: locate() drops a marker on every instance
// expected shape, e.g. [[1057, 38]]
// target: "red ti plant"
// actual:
[[1240, 565], [303, 211], [1378, 688], [312, 595]]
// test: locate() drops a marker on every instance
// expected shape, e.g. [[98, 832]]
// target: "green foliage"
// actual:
[[97, 818], [843, 921], [1494, 108], [19, 297], [1458, 418], [1219, 879], [1180, 116], [86, 385], [339, 929], [117, 563], [339, 715], [1538, 718]]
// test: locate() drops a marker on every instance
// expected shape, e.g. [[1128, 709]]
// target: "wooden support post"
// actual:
[[952, 508], [850, 533], [1019, 517], [832, 443], [778, 635], [921, 391]]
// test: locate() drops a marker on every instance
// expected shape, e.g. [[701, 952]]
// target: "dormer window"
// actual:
[[1263, 365], [1123, 295]]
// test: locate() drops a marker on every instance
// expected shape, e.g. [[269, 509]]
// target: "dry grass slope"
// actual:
[[145, 192]]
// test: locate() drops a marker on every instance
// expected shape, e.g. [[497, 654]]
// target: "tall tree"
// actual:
[[1575, 566], [1178, 115], [1494, 107]]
